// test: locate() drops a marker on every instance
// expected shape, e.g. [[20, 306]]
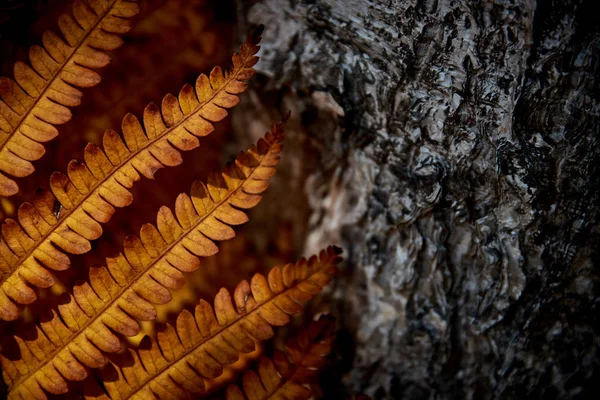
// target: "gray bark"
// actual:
[[451, 148]]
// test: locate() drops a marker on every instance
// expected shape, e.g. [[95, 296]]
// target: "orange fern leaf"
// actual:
[[65, 220], [187, 33], [186, 357], [42, 93], [126, 290], [91, 390], [286, 375]]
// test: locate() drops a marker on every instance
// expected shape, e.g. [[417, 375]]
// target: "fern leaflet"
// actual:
[[288, 373], [89, 193], [186, 357], [40, 95], [125, 291]]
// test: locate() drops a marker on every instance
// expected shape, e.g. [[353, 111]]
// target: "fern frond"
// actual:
[[65, 220], [286, 375], [117, 296], [188, 33], [186, 357], [40, 95]]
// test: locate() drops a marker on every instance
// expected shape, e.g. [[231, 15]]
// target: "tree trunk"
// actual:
[[451, 148]]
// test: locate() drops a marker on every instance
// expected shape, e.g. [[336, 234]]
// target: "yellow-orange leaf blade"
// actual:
[[42, 92], [287, 375], [117, 296], [184, 358], [65, 220]]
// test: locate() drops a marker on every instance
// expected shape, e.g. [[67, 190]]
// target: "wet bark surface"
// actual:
[[451, 148]]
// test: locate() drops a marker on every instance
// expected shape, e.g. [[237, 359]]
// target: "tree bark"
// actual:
[[451, 148]]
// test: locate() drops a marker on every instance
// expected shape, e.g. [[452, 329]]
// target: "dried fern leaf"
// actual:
[[65, 220], [91, 390], [286, 376], [186, 357], [40, 95], [187, 33], [116, 296]]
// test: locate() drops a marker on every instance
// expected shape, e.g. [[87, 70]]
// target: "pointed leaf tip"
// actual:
[[256, 36]]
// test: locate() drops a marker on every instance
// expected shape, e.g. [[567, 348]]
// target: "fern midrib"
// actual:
[[133, 154], [165, 252], [56, 75], [227, 326]]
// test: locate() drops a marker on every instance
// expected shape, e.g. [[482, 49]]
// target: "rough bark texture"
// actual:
[[458, 165]]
